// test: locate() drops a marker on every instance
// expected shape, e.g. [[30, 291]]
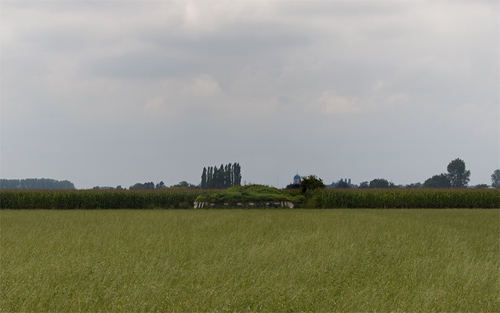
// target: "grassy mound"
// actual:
[[250, 193]]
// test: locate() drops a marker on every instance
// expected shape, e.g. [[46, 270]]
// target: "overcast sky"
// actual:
[[118, 92]]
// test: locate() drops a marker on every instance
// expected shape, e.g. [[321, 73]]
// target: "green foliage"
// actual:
[[35, 183], [495, 179], [421, 198], [481, 186], [250, 260], [380, 183], [184, 198], [184, 184], [342, 184], [459, 177], [145, 186], [250, 193], [97, 199], [221, 178], [311, 183], [438, 181]]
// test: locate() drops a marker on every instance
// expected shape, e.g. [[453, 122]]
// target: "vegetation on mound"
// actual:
[[250, 193]]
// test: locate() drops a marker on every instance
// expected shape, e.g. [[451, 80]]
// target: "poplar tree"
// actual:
[[203, 184]]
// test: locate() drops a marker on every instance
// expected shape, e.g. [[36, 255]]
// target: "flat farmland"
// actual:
[[345, 260]]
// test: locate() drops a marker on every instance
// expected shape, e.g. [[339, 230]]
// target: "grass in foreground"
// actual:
[[250, 260]]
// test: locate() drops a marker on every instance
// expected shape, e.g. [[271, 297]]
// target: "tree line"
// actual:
[[212, 177], [220, 178], [457, 176], [35, 183]]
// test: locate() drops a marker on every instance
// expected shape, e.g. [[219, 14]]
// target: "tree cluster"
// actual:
[[457, 177], [184, 184], [35, 183], [377, 183], [220, 178], [342, 183], [147, 186]]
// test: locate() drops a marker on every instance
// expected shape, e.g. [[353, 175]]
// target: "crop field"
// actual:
[[342, 260], [169, 198]]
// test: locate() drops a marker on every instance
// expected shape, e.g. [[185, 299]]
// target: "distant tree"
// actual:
[[35, 183], [495, 179], [203, 183], [237, 174], [414, 185], [182, 184], [458, 176], [343, 184], [136, 186], [292, 186], [438, 181], [185, 184], [146, 186], [210, 176], [119, 187], [364, 184], [481, 186], [380, 183], [311, 183], [221, 177], [160, 185]]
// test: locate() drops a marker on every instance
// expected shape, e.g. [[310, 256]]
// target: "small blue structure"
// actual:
[[296, 179]]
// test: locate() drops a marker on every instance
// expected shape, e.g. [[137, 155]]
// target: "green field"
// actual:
[[250, 260]]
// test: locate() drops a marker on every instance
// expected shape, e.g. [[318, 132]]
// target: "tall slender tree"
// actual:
[[204, 178], [224, 176]]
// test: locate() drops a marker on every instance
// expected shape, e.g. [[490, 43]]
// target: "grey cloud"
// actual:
[[338, 89]]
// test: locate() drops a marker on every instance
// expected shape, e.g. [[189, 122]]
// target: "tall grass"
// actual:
[[249, 260]]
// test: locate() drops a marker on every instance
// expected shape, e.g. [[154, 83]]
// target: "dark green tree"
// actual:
[[342, 184], [203, 184], [160, 185], [221, 177], [364, 184], [237, 174], [495, 179], [481, 186], [380, 183], [438, 181], [457, 174], [311, 182], [35, 183], [139, 186], [414, 185]]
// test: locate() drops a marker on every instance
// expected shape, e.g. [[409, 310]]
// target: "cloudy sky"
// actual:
[[118, 92]]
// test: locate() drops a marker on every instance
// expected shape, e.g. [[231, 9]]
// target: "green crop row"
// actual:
[[327, 198], [406, 198], [96, 199]]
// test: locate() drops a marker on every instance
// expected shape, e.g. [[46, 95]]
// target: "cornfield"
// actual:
[[407, 198], [183, 199], [96, 199]]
